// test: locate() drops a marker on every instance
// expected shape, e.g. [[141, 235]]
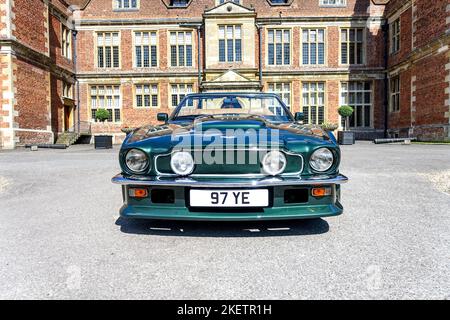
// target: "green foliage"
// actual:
[[345, 111], [102, 115], [329, 126]]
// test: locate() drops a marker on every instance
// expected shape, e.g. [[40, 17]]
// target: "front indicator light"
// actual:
[[138, 193], [321, 192]]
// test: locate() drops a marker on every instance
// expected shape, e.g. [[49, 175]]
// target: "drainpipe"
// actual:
[[259, 27], [385, 29], [74, 33], [199, 56]]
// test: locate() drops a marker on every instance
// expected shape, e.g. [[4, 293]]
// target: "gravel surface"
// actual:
[[60, 235]]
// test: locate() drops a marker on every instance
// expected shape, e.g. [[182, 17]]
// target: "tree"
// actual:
[[345, 112], [102, 115]]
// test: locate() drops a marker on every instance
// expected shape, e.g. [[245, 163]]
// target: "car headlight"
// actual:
[[274, 163], [182, 163], [137, 161], [321, 160]]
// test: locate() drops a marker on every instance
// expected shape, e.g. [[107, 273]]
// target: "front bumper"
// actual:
[[321, 180], [180, 210]]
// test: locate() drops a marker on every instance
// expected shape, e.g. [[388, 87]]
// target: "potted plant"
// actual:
[[346, 137], [330, 127], [102, 141]]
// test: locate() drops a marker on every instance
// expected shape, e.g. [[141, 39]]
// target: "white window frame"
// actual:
[[185, 42], [114, 42], [313, 91], [144, 90], [344, 99], [348, 42], [116, 100], [309, 42], [236, 34], [121, 5], [333, 3], [275, 42], [283, 90], [66, 42], [180, 90], [67, 91], [395, 40], [394, 93], [152, 41]]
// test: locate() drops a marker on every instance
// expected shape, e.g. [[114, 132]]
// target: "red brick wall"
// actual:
[[30, 24], [32, 102], [430, 90], [378, 104], [103, 9], [32, 97], [431, 20]]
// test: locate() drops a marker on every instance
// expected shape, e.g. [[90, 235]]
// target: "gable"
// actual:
[[228, 8]]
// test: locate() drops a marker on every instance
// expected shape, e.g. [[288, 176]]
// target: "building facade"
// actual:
[[62, 60]]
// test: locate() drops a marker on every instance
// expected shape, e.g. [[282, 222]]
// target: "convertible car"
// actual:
[[230, 156]]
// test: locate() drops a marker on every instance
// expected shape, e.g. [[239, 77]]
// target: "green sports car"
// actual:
[[230, 156]]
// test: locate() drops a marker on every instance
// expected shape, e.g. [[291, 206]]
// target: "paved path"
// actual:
[[60, 236]]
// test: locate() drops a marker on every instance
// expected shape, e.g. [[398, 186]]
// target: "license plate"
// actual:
[[229, 198]]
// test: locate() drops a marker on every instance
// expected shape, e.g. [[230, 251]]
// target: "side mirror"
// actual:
[[163, 117], [299, 116]]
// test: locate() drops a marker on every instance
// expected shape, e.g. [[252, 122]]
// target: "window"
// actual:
[[125, 4], [358, 95], [181, 49], [106, 97], [235, 1], [279, 47], [179, 3], [279, 1], [66, 43], [395, 94], [145, 49], [147, 95], [313, 50], [179, 91], [283, 90], [395, 36], [230, 44], [352, 45], [67, 90], [108, 50], [333, 3], [314, 102]]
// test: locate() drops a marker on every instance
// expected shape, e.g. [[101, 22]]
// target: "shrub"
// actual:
[[345, 111], [329, 126], [102, 115]]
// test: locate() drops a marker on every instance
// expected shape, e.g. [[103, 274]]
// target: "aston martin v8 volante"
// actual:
[[230, 156]]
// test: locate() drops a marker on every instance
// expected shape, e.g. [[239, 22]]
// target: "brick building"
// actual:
[[63, 60]]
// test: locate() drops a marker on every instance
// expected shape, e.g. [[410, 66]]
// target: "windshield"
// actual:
[[268, 107]]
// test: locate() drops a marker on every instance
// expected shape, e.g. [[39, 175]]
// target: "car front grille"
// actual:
[[237, 162]]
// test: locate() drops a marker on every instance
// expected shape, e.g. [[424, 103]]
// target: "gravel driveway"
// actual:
[[60, 235]]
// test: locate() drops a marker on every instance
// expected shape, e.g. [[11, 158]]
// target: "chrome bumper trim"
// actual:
[[228, 183]]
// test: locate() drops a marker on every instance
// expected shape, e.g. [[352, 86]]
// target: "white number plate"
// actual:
[[229, 198]]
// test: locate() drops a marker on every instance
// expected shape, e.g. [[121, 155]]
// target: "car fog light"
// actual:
[[274, 163], [321, 192], [321, 160], [137, 161], [182, 163]]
